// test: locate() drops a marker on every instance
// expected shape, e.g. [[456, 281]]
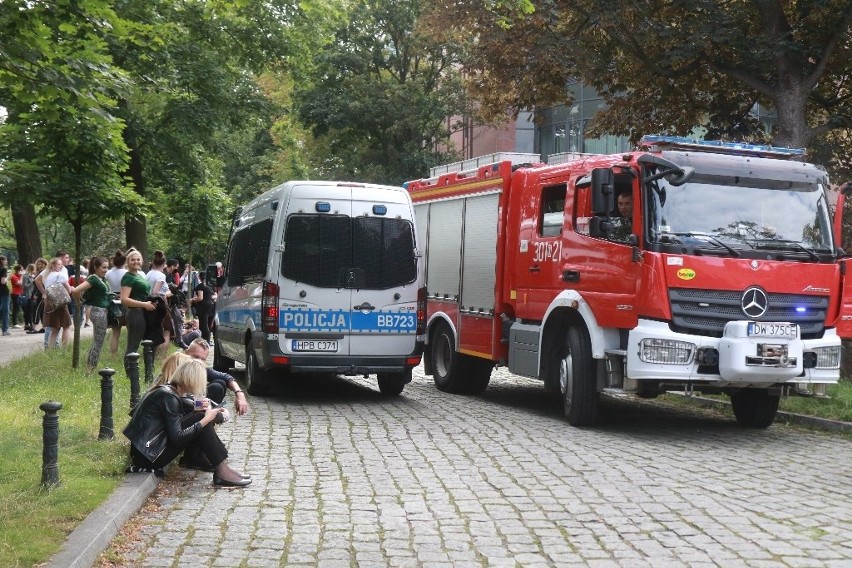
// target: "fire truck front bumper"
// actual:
[[748, 353]]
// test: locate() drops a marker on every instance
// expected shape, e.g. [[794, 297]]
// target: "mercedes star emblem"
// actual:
[[754, 303]]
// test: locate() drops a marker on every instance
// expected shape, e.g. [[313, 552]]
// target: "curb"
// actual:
[[93, 535], [788, 417]]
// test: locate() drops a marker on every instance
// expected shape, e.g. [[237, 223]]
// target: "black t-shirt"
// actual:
[[207, 293], [4, 288]]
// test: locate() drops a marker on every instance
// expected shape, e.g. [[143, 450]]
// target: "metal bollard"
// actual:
[[106, 431], [50, 440], [148, 359], [131, 367]]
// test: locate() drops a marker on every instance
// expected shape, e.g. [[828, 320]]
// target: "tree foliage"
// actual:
[[664, 66], [379, 95]]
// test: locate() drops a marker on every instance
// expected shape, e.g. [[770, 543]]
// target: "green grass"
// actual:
[[838, 407], [34, 521]]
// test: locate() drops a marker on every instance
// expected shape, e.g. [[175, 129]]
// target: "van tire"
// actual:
[[391, 384], [578, 377], [448, 364], [256, 378], [220, 362]]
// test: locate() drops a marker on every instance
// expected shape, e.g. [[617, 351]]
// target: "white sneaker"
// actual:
[[16, 327]]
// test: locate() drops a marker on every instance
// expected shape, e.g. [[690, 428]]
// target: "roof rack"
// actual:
[[656, 143], [488, 159]]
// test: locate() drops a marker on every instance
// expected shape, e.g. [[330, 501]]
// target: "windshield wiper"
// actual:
[[709, 238], [785, 243]]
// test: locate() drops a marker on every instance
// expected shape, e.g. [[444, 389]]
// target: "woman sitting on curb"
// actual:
[[173, 417]]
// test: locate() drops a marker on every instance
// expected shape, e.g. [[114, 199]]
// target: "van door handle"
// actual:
[[535, 268], [365, 307]]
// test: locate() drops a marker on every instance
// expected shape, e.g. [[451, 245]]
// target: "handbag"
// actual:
[[115, 310], [57, 296]]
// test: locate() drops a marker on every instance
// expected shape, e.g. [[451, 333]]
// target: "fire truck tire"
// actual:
[[478, 374], [391, 384], [448, 364], [754, 408], [256, 378], [577, 378]]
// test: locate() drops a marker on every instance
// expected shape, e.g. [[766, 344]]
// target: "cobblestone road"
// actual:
[[344, 477]]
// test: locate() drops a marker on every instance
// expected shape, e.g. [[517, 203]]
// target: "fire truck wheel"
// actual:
[[256, 378], [448, 365], [478, 374], [577, 379], [754, 408], [391, 384]]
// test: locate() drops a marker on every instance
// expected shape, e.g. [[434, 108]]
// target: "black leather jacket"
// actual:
[[156, 423]]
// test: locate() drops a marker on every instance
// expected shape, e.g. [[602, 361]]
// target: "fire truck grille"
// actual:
[[705, 312]]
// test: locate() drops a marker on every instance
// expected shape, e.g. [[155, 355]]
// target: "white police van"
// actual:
[[323, 277]]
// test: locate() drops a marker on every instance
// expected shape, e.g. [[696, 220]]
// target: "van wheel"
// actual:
[[256, 378], [448, 364], [577, 378], [220, 362], [391, 384], [754, 408]]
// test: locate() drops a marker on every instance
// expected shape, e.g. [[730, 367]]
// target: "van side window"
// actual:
[[336, 251], [552, 211], [249, 253]]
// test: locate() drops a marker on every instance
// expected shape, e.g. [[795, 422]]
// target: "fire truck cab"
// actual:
[[686, 265]]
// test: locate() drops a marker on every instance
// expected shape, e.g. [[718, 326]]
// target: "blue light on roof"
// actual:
[[323, 207], [681, 142], [380, 210]]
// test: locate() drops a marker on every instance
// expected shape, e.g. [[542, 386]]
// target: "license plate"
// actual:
[[773, 329], [313, 345]]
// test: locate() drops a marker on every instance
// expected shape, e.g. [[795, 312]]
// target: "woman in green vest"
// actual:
[[94, 293]]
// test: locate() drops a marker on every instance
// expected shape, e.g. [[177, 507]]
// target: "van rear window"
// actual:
[[336, 251]]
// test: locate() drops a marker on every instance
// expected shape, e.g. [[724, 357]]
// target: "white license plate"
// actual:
[[773, 329], [313, 345]]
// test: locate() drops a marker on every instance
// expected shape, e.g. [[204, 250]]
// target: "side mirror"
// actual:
[[603, 194], [600, 227]]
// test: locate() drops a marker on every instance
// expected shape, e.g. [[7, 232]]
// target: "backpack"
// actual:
[[57, 296]]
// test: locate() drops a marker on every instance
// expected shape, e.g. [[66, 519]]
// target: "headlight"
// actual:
[[827, 357], [666, 351]]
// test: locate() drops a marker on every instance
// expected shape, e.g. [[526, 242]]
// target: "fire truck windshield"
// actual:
[[732, 215]]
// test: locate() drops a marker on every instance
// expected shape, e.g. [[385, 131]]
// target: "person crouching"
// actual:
[[175, 416]]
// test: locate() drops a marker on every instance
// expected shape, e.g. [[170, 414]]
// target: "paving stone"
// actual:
[[344, 476]]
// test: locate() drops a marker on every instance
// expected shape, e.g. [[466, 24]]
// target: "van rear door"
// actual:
[[349, 273], [384, 299], [315, 307]]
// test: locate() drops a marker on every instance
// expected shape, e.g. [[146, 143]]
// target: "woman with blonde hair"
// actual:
[[56, 318], [135, 292], [174, 417]]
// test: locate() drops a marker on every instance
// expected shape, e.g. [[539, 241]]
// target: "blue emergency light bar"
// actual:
[[739, 148]]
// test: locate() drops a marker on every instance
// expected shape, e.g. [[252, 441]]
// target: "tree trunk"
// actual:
[[27, 238], [135, 228], [792, 130], [78, 308]]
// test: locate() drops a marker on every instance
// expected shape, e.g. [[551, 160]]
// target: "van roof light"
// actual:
[[656, 143], [323, 207], [380, 210]]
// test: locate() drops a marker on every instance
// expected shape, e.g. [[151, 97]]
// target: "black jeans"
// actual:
[[203, 312], [206, 442]]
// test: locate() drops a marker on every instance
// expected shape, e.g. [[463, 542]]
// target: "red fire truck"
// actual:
[[687, 265]]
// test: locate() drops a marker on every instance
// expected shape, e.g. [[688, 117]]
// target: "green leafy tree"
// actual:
[[665, 67], [379, 95], [53, 67]]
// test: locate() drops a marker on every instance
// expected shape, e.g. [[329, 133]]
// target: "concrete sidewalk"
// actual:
[[22, 344]]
